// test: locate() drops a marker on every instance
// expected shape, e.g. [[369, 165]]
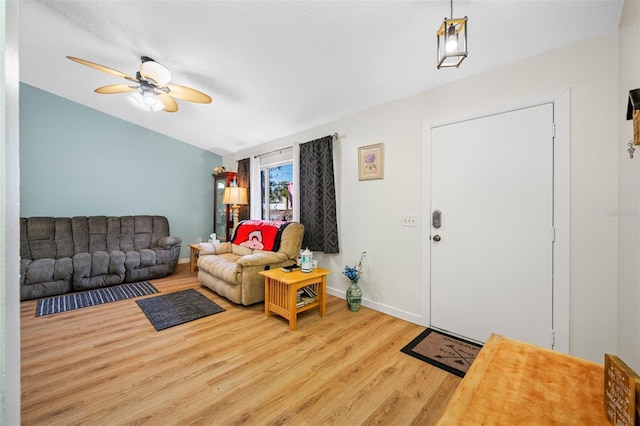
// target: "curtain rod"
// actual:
[[274, 151], [334, 136]]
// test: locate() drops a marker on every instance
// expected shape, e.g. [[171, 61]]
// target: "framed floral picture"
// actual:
[[371, 162]]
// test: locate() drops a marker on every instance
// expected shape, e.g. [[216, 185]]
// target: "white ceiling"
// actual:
[[277, 67]]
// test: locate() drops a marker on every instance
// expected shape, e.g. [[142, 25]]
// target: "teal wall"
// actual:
[[76, 161]]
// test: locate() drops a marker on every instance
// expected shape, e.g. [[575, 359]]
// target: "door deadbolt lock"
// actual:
[[436, 219], [436, 238]]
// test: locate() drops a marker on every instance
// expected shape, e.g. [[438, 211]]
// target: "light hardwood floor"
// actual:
[[106, 365]]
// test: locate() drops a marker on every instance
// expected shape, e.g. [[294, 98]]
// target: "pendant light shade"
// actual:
[[452, 41]]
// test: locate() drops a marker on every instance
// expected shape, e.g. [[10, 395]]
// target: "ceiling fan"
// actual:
[[150, 88]]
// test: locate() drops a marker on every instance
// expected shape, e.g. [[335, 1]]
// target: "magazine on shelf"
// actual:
[[309, 291]]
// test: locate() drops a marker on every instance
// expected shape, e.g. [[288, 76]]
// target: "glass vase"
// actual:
[[354, 297]]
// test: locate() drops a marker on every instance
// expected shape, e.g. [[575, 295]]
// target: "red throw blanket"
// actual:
[[259, 234]]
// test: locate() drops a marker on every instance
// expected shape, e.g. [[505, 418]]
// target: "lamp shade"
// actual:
[[235, 195], [155, 71], [452, 42]]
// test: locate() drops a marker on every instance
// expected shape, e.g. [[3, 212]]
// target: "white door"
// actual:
[[491, 257]]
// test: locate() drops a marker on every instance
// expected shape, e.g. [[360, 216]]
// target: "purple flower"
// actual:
[[370, 158]]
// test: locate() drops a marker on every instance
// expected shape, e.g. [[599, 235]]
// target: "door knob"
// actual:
[[436, 238]]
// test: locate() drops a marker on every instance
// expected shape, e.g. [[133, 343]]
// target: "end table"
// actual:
[[195, 252], [280, 289]]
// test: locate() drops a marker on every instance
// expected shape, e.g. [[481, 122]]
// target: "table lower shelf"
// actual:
[[286, 312]]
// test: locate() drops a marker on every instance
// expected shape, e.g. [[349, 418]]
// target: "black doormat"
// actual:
[[71, 301], [177, 308], [451, 354]]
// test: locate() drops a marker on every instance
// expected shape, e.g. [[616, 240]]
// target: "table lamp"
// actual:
[[235, 196]]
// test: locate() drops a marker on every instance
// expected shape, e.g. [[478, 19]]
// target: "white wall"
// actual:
[[369, 212], [9, 217], [629, 193]]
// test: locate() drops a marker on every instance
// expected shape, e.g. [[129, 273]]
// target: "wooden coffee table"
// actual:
[[280, 290]]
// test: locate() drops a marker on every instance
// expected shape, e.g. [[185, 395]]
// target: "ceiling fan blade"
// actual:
[[102, 68], [115, 88], [170, 104], [188, 94]]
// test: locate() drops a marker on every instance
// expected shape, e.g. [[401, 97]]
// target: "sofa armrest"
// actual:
[[167, 242], [214, 248], [260, 258]]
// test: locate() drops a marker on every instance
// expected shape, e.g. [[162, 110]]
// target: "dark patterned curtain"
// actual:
[[318, 196], [242, 178]]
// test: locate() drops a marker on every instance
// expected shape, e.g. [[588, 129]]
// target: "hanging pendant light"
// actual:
[[452, 41]]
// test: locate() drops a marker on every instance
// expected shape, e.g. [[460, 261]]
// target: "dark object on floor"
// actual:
[[444, 351], [177, 308], [69, 302]]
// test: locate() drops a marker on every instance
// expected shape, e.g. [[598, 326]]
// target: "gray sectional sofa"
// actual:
[[62, 254]]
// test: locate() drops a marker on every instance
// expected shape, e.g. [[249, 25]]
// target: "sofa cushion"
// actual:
[[44, 270], [99, 263], [97, 226], [222, 266], [143, 235], [45, 277], [80, 229], [45, 237], [292, 240], [147, 258], [126, 233], [98, 269], [240, 250]]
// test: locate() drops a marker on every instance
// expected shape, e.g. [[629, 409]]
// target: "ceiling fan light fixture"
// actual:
[[155, 71], [150, 91], [146, 101], [149, 100]]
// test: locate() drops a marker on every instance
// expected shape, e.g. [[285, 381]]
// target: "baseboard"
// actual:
[[381, 307], [182, 267], [185, 260]]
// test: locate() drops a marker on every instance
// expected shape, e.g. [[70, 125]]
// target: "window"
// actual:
[[276, 183]]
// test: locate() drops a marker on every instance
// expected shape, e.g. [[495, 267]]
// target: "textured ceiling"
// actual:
[[277, 67]]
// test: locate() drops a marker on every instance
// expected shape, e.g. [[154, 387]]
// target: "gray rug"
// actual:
[[71, 301], [177, 308]]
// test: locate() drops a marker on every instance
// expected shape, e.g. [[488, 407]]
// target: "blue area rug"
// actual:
[[71, 301], [177, 308]]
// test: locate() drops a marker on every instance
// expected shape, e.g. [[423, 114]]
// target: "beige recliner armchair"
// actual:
[[231, 268]]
